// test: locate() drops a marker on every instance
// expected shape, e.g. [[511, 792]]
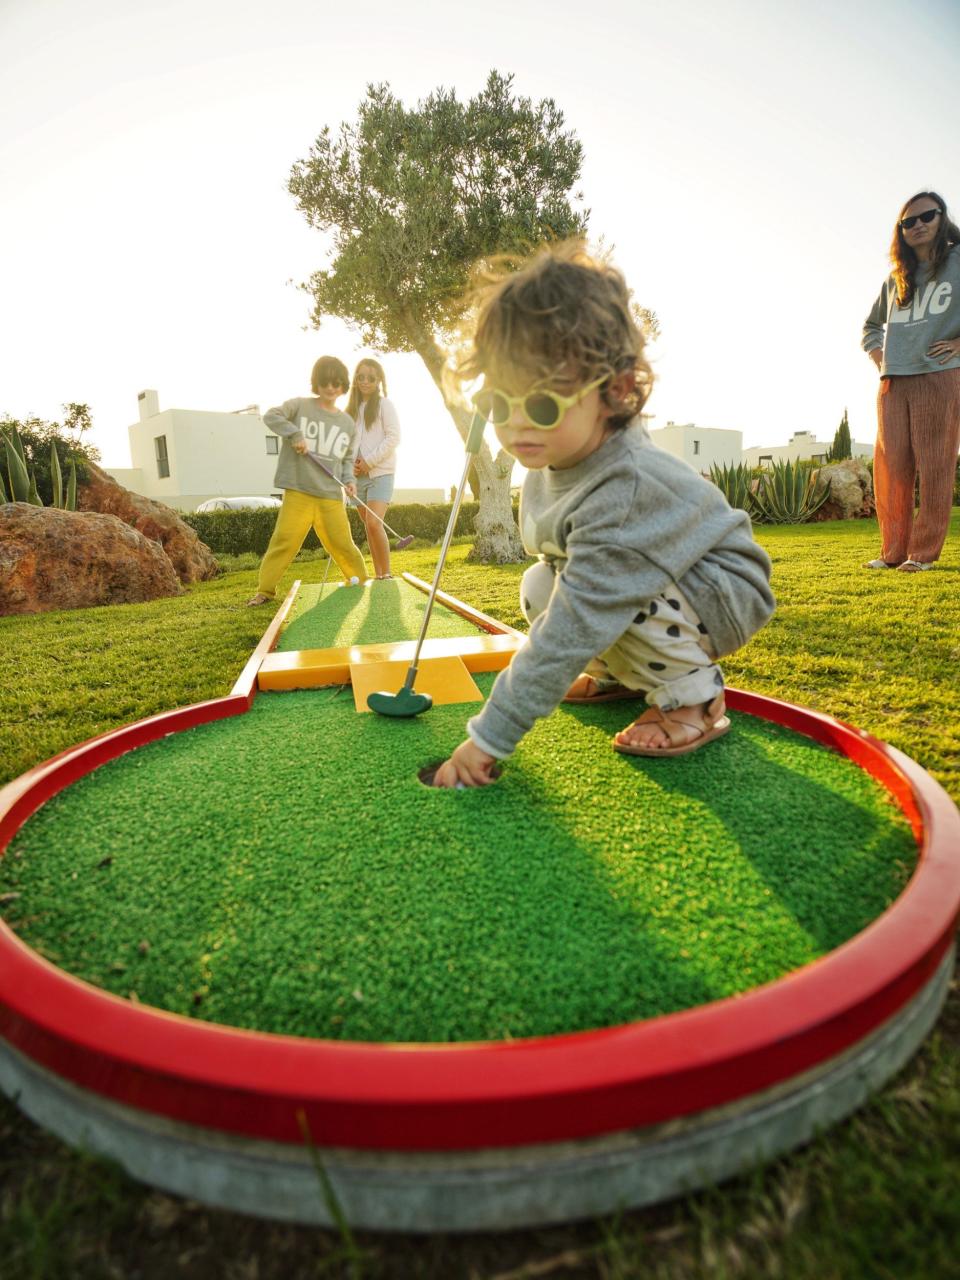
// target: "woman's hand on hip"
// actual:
[[944, 350], [876, 355]]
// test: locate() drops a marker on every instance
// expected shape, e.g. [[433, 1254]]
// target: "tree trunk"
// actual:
[[497, 536]]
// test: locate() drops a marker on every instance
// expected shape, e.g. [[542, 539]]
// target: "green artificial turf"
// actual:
[[286, 870], [328, 616]]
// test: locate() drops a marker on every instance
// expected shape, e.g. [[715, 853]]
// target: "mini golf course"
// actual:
[[243, 938]]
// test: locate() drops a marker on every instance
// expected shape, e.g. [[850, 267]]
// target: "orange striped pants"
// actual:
[[918, 435]]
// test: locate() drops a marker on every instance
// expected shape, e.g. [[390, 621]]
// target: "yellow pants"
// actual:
[[297, 513]]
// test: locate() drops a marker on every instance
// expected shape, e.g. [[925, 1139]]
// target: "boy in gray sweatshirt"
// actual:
[[645, 575], [312, 427]]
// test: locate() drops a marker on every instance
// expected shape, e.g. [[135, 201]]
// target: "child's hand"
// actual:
[[300, 446], [350, 490], [468, 765]]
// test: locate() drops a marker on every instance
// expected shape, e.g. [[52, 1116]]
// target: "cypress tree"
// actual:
[[841, 447]]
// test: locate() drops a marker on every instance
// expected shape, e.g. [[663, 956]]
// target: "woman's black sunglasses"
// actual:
[[912, 221]]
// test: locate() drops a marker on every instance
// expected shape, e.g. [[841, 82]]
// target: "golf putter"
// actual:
[[402, 542], [405, 702]]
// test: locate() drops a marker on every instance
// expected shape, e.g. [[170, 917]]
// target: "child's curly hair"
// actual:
[[559, 320]]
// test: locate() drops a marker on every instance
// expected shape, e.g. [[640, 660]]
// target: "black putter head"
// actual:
[[401, 705]]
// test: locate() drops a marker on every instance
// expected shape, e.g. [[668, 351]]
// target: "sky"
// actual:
[[745, 161]]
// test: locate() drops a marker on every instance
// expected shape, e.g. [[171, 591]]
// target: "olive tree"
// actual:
[[411, 198]]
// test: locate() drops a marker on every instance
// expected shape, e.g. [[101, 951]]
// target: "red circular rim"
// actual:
[[462, 1096]]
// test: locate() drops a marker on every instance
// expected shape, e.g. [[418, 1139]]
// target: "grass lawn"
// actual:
[[875, 1197]]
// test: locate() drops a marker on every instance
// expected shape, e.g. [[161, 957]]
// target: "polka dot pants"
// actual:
[[664, 653]]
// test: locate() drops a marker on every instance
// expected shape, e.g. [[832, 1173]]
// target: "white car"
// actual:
[[237, 504]]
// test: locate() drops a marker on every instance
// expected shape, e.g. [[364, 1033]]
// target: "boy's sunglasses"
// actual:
[[912, 221], [542, 409]]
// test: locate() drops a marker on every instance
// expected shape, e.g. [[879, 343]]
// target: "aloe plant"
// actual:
[[734, 484], [56, 477], [17, 472], [790, 493], [23, 481]]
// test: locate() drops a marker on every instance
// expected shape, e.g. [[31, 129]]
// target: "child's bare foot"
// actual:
[[673, 733]]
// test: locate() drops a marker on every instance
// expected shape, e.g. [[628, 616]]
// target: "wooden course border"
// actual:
[[422, 1097]]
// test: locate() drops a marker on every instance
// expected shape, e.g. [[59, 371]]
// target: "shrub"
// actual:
[[234, 532]]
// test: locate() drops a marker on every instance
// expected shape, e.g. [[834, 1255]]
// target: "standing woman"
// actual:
[[378, 429], [913, 337]]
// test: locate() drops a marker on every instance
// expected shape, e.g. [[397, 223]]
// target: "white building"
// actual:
[[701, 447], [182, 457], [801, 445]]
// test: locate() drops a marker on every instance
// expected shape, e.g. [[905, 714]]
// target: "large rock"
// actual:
[[53, 559], [851, 491], [192, 559]]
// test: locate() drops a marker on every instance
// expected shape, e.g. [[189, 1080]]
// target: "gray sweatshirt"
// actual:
[[620, 527], [907, 333], [331, 437]]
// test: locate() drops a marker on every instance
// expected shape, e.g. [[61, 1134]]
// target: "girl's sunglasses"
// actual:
[[912, 221], [541, 409]]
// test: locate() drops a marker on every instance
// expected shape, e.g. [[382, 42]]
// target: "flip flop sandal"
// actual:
[[715, 725], [607, 691], [914, 566], [259, 599]]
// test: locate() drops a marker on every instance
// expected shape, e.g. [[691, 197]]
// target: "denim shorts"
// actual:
[[374, 488]]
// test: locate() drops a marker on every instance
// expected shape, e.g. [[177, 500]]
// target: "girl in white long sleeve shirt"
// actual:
[[378, 429]]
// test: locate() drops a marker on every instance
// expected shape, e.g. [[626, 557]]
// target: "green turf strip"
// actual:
[[392, 610], [285, 870]]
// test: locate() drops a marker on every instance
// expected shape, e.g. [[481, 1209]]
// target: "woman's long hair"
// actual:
[[905, 260], [372, 407]]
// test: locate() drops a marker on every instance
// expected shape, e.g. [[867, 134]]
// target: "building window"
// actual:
[[696, 446], [273, 444], [765, 458], [163, 464]]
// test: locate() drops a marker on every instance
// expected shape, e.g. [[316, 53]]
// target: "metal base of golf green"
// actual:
[[492, 1189]]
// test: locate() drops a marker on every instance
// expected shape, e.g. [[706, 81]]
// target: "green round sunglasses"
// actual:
[[541, 409]]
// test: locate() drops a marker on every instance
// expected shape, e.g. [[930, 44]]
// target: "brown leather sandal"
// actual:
[[712, 724], [604, 690]]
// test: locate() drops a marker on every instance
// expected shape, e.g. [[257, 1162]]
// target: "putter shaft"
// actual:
[[359, 501]]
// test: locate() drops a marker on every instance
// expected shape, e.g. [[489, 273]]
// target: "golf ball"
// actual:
[[354, 582]]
